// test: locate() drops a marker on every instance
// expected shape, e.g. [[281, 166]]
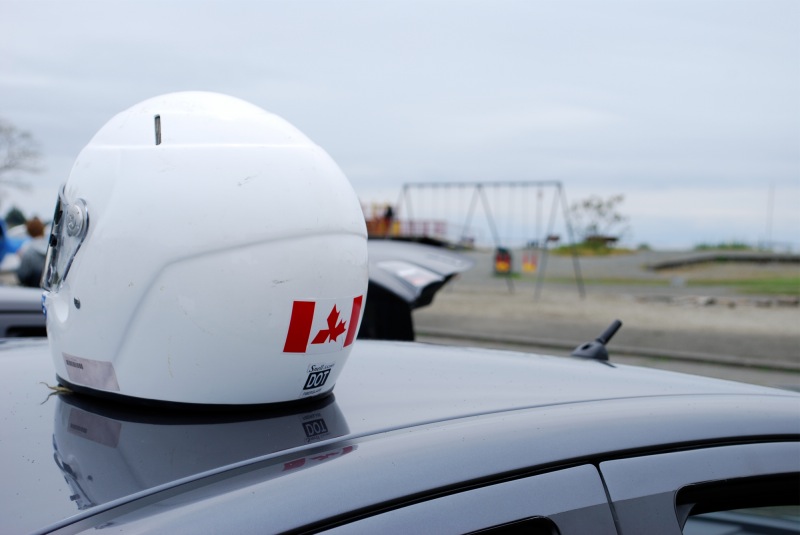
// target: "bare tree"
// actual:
[[19, 153], [598, 219]]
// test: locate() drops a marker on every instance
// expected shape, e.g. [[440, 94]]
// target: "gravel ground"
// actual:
[[697, 325]]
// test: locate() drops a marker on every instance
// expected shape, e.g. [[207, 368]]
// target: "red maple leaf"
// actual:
[[333, 331]]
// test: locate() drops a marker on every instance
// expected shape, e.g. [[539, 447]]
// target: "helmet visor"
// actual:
[[70, 223]]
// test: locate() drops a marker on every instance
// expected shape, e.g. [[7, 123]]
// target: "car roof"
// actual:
[[57, 452], [20, 299]]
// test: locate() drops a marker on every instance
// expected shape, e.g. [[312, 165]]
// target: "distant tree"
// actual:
[[597, 219], [19, 153], [15, 217]]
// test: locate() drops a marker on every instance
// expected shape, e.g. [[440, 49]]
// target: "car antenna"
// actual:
[[597, 350]]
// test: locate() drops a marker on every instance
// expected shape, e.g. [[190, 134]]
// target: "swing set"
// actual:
[[425, 211]]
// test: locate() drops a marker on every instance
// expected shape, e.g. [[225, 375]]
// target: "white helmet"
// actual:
[[204, 251]]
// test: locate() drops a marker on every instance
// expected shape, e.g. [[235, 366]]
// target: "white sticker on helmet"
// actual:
[[91, 373]]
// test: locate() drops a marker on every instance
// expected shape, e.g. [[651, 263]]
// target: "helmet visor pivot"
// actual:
[[69, 227]]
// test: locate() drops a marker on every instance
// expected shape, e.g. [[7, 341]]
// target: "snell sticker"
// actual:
[[317, 375]]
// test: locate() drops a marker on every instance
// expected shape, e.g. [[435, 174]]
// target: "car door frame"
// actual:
[[573, 499], [643, 489]]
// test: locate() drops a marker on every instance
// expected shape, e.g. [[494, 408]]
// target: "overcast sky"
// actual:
[[691, 109]]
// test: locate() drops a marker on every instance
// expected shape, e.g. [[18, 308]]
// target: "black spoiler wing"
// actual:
[[404, 276]]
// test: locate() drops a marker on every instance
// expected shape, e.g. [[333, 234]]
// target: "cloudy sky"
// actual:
[[691, 109]]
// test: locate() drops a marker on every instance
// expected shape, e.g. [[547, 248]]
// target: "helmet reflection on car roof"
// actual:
[[107, 452], [204, 251]]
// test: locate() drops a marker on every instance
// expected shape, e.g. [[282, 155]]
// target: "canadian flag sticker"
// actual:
[[323, 326]]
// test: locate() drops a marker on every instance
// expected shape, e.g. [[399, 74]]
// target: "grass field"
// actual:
[[756, 285], [766, 286]]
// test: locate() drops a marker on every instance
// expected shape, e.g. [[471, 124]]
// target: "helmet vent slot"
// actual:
[[158, 129]]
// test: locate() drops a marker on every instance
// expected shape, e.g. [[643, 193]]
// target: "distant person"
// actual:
[[32, 255], [388, 217]]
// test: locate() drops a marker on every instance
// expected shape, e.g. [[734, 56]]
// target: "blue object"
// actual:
[[9, 244]]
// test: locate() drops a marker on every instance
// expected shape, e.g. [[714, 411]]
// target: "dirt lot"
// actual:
[[663, 320]]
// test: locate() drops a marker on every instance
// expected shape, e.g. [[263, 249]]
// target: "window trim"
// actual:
[[643, 489]]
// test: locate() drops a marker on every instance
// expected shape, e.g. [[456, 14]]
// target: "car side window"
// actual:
[[656, 494], [760, 505]]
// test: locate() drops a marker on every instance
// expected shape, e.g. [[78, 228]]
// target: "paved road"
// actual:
[[706, 330]]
